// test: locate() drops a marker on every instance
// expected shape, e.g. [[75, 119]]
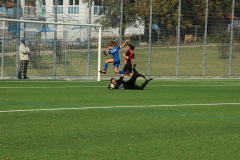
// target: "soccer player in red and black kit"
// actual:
[[129, 55], [131, 83]]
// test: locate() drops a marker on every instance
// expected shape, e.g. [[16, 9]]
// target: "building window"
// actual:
[[30, 3], [97, 2], [73, 2], [100, 9], [73, 10], [59, 10], [60, 2], [73, 7]]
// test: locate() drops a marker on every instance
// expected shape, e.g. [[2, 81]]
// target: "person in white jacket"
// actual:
[[24, 52]]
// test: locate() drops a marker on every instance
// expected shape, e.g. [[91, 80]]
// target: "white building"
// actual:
[[70, 11]]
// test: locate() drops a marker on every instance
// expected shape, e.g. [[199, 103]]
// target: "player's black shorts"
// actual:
[[127, 67]]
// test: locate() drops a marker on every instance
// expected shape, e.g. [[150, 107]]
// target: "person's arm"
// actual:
[[124, 44], [121, 78], [24, 49], [21, 49], [126, 55], [105, 52], [28, 50]]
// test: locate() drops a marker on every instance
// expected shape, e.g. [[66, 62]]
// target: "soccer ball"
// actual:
[[110, 86]]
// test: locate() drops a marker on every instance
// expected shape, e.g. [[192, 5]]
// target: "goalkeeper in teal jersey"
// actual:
[[113, 50]]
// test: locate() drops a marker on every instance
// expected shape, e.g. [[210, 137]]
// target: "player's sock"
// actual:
[[142, 75], [121, 72], [105, 66]]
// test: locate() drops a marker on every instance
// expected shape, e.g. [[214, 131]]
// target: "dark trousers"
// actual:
[[127, 68], [132, 81], [23, 68]]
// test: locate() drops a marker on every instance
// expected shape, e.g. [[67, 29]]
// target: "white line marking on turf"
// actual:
[[151, 86], [211, 85], [57, 87], [43, 81], [107, 107]]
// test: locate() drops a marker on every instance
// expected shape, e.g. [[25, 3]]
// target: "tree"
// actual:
[[192, 11], [112, 12], [165, 12]]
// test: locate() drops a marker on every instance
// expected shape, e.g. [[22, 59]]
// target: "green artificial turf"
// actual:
[[169, 119]]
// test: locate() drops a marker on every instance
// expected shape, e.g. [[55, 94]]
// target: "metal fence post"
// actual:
[[150, 40], [205, 40], [55, 39], [3, 36], [178, 39], [89, 37], [18, 37], [231, 39], [121, 28]]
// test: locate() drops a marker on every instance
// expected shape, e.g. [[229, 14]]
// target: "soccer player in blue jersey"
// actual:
[[113, 50]]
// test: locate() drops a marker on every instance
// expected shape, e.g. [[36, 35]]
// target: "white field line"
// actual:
[[43, 81], [59, 87], [110, 107], [177, 85], [186, 85]]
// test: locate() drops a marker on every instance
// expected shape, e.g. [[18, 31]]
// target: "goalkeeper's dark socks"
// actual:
[[143, 76], [150, 79]]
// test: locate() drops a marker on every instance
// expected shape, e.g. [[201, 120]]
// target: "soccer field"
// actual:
[[169, 119]]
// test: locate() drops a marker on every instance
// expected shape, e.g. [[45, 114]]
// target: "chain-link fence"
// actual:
[[50, 56], [188, 38]]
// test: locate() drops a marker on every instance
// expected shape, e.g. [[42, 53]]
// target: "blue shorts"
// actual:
[[116, 63]]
